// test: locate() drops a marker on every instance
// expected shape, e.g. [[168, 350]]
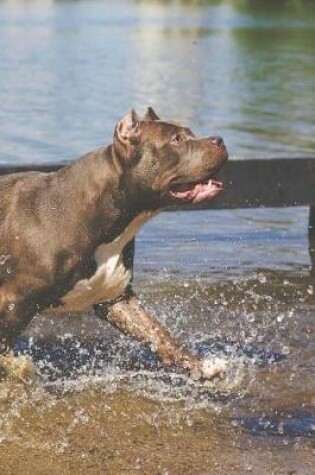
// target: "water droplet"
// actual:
[[280, 318], [250, 318], [310, 290], [4, 258], [262, 279], [285, 350], [11, 306], [280, 428]]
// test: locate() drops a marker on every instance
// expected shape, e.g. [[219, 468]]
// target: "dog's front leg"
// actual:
[[129, 316]]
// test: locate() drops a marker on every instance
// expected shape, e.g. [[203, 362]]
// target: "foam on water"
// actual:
[[19, 368], [72, 365]]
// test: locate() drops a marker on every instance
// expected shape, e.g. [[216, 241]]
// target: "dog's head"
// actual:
[[165, 163]]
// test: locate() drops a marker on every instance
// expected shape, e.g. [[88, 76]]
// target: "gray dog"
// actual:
[[66, 238]]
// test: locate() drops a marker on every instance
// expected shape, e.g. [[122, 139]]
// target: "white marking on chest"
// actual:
[[111, 277]]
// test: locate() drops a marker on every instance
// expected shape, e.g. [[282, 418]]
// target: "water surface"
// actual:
[[69, 70]]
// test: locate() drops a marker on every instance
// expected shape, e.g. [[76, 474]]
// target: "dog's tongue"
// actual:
[[197, 193]]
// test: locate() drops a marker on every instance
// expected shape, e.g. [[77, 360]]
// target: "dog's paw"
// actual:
[[212, 367]]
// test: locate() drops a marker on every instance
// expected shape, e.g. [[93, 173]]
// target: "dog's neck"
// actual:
[[96, 183]]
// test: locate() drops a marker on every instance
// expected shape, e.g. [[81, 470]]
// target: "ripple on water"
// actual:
[[93, 381]]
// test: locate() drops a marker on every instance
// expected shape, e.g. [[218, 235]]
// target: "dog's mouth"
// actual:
[[196, 192]]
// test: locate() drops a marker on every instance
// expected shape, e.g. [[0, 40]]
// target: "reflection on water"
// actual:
[[70, 69]]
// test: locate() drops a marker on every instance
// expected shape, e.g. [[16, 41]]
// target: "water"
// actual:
[[240, 283], [69, 70], [104, 404]]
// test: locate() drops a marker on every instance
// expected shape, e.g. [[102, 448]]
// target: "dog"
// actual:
[[67, 237]]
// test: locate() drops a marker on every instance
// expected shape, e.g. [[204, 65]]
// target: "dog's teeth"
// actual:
[[210, 183]]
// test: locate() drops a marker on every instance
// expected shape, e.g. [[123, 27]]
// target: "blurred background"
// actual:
[[241, 68]]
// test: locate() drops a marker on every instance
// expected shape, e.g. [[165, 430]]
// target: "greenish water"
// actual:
[[70, 69]]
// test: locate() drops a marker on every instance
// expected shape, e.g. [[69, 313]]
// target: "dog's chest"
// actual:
[[111, 277]]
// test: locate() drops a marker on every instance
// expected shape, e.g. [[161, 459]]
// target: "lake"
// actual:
[[237, 283]]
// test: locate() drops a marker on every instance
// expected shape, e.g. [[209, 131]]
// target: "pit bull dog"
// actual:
[[67, 237]]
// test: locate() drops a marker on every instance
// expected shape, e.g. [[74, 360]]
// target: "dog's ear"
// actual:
[[126, 134], [151, 115], [128, 126]]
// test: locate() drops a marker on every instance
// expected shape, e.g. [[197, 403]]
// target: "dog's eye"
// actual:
[[176, 139]]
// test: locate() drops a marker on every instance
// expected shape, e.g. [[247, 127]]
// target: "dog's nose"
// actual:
[[218, 141]]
